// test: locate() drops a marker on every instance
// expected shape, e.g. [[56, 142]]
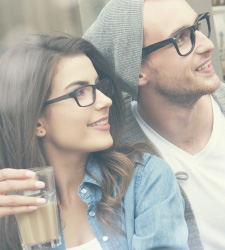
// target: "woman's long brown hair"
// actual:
[[26, 73]]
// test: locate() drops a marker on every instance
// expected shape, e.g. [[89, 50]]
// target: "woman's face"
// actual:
[[65, 126]]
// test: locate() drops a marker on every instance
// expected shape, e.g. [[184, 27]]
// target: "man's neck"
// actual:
[[187, 128]]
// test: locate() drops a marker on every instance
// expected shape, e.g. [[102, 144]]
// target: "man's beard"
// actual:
[[184, 91]]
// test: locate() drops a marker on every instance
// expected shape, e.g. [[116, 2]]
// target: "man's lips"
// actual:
[[203, 66]]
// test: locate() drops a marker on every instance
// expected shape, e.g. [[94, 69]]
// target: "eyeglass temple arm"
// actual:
[[153, 47], [59, 99]]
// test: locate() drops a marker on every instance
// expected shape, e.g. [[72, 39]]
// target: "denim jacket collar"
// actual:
[[94, 169]]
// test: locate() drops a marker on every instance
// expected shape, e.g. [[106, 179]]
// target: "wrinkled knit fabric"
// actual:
[[118, 35]]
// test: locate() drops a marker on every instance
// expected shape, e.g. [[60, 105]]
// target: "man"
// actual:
[[161, 52]]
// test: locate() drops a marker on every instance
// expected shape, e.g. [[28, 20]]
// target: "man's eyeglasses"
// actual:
[[86, 95], [184, 39]]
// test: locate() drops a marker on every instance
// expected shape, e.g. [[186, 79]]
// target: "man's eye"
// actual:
[[183, 37], [180, 39]]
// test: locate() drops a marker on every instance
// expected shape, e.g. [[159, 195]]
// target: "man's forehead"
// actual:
[[162, 18], [166, 10]]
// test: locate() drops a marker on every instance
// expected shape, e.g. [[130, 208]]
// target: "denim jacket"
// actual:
[[153, 216]]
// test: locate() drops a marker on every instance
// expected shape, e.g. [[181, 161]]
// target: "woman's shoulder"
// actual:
[[153, 184], [153, 171], [154, 164]]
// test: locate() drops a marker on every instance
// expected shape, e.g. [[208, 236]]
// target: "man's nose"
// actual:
[[202, 43]]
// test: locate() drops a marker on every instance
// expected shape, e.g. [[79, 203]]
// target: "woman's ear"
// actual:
[[40, 131]]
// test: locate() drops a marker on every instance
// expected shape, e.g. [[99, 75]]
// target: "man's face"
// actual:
[[180, 79]]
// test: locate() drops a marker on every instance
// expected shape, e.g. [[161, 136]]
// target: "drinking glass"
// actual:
[[40, 229]]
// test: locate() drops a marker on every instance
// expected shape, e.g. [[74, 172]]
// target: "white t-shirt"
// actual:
[[205, 186], [91, 245]]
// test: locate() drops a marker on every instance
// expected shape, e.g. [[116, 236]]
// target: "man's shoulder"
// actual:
[[132, 130], [219, 96]]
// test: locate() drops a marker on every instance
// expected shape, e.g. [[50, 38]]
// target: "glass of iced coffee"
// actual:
[[40, 229]]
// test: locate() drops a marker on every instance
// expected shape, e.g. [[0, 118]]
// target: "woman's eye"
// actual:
[[80, 93]]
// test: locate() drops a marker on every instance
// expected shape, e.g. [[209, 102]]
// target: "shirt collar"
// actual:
[[94, 169]]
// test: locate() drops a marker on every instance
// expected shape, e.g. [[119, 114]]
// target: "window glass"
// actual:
[[21, 17]]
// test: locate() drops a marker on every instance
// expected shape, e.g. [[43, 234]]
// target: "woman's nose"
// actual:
[[102, 101]]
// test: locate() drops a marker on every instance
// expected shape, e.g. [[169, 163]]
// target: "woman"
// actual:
[[61, 106]]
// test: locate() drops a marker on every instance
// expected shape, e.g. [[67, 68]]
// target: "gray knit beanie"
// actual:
[[118, 34]]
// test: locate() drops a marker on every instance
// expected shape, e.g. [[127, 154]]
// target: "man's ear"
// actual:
[[143, 79], [40, 130]]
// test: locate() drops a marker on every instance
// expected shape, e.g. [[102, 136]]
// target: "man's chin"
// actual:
[[207, 85]]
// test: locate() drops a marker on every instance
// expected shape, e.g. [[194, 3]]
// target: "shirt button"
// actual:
[[92, 213], [83, 191], [105, 238]]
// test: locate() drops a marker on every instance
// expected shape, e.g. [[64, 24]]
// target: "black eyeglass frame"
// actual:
[[73, 93], [153, 47]]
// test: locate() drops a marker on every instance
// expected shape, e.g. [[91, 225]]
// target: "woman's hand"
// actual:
[[14, 180]]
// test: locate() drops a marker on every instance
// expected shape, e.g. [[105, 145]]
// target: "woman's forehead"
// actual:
[[73, 68]]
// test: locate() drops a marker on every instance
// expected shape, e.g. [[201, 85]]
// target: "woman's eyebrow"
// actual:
[[81, 83]]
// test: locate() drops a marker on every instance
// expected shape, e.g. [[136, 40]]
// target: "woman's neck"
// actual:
[[69, 172]]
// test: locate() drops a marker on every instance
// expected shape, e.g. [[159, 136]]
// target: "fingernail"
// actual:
[[32, 208], [30, 174], [41, 201], [39, 184]]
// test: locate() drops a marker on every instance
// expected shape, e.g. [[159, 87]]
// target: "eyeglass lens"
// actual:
[[106, 87], [184, 39], [86, 95]]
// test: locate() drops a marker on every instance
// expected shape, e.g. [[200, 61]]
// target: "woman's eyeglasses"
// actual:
[[86, 95]]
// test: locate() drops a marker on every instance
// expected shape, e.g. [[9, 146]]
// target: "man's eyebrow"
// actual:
[[81, 83], [180, 28]]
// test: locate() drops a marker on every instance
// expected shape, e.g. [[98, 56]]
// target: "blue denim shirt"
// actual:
[[153, 216]]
